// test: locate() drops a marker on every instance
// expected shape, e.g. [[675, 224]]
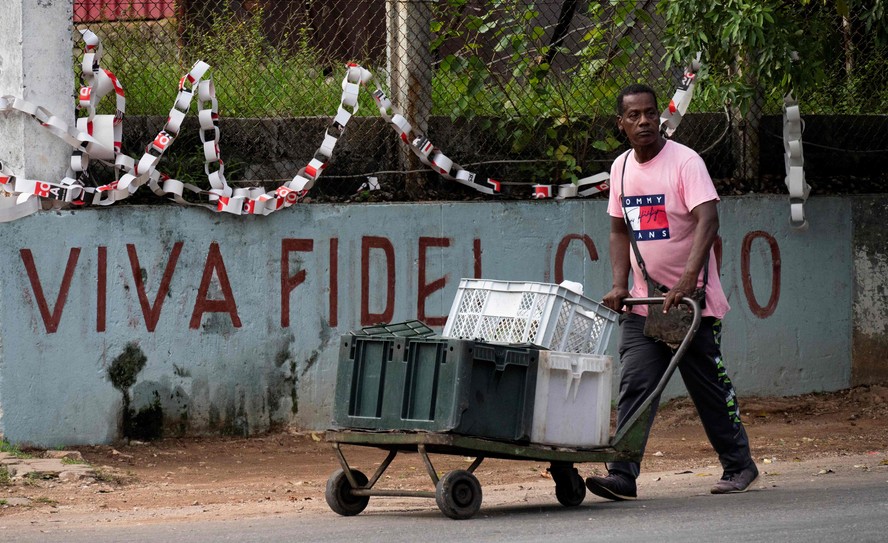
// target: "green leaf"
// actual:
[[593, 34], [601, 145], [446, 64], [473, 22], [475, 86]]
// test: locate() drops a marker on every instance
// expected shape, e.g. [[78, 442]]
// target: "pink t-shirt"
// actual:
[[658, 197]]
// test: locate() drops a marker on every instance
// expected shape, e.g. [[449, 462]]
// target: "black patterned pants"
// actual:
[[643, 361]]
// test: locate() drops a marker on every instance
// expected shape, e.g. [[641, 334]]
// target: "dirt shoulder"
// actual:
[[286, 472]]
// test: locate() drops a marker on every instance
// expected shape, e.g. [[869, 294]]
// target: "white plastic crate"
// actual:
[[573, 400], [542, 314]]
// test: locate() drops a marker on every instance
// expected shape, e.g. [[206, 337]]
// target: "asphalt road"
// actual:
[[850, 506]]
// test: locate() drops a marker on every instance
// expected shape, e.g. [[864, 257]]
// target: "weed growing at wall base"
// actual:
[[13, 450]]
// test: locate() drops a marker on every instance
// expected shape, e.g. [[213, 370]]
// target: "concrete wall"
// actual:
[[870, 264], [136, 319]]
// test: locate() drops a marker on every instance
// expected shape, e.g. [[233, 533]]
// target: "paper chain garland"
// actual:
[[792, 140], [678, 105], [99, 137], [795, 161]]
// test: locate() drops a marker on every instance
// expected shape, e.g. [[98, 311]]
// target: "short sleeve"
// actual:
[[698, 186], [614, 209]]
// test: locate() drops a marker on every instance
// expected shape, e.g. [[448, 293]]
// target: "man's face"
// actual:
[[639, 119]]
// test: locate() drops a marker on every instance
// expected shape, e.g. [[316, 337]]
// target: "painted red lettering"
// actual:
[[288, 282], [562, 250], [758, 310], [476, 254], [101, 288], [334, 282], [50, 318], [369, 243], [424, 290], [151, 312], [204, 305]]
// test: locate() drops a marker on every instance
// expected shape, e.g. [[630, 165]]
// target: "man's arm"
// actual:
[[705, 233], [619, 257]]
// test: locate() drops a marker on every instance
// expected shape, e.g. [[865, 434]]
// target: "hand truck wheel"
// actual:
[[572, 492], [570, 489], [339, 496], [458, 494]]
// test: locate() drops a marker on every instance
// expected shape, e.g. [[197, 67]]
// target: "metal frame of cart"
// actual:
[[458, 493]]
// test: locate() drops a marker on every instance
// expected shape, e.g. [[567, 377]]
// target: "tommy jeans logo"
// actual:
[[647, 215]]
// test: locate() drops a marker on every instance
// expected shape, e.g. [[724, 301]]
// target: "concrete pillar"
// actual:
[[410, 66], [36, 65]]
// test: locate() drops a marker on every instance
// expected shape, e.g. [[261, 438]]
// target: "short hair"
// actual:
[[635, 88]]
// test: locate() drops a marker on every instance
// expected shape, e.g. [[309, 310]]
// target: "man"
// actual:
[[667, 190]]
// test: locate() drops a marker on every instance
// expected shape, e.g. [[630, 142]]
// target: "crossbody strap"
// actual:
[[632, 241], [626, 218]]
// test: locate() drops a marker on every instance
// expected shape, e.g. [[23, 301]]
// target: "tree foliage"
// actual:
[[771, 47]]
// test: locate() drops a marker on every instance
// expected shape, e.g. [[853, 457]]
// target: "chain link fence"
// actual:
[[518, 90]]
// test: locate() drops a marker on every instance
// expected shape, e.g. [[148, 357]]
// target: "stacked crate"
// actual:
[[519, 362], [436, 385]]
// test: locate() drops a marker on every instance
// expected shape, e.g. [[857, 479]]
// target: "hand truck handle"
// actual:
[[673, 363]]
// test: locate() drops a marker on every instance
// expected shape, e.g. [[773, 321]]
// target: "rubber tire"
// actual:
[[339, 496], [571, 490], [458, 494]]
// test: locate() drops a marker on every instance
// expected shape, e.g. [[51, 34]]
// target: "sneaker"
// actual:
[[615, 486], [731, 483]]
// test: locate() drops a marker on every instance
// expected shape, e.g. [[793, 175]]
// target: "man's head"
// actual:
[[635, 88], [638, 116]]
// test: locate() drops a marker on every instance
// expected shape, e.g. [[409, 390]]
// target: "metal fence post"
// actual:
[[409, 61], [35, 64]]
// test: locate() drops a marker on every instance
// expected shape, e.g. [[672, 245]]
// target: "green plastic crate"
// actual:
[[401, 329], [396, 383], [361, 380], [501, 392], [437, 385]]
